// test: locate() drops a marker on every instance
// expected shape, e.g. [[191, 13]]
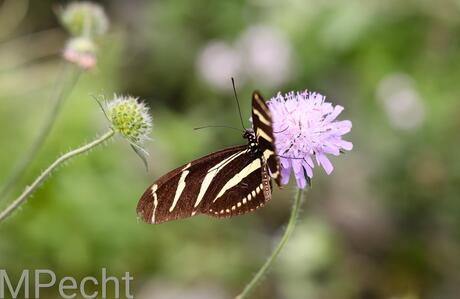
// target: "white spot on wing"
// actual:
[[180, 187], [236, 179], [261, 133], [261, 117], [268, 153], [155, 201], [212, 173]]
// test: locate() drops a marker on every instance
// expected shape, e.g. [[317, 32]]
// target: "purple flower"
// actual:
[[305, 127]]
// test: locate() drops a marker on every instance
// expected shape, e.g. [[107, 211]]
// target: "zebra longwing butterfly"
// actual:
[[226, 183]]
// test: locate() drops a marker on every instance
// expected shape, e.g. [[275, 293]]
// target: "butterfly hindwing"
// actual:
[[174, 195], [245, 192], [198, 186], [262, 123]]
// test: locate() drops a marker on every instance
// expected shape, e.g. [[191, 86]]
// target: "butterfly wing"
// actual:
[[245, 191], [262, 123], [216, 182]]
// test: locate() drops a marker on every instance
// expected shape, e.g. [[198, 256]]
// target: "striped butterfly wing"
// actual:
[[247, 189], [226, 183], [263, 129]]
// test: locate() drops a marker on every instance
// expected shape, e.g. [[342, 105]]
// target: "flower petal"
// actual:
[[285, 174], [337, 110], [301, 181], [308, 169], [346, 145], [309, 161], [324, 161], [333, 150], [343, 127], [296, 165]]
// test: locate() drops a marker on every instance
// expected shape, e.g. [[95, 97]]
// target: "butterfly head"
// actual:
[[249, 135], [252, 141]]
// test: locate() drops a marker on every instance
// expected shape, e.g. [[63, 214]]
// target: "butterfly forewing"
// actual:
[[262, 123]]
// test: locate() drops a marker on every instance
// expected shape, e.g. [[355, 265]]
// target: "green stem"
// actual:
[[287, 234], [45, 174], [60, 92]]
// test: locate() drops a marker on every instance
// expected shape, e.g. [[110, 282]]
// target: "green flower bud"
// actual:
[[130, 118], [84, 19]]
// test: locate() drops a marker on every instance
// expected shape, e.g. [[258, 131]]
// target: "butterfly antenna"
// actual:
[[237, 102], [281, 130], [217, 126], [101, 106], [292, 158]]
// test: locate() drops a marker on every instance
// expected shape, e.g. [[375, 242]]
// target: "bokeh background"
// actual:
[[385, 224]]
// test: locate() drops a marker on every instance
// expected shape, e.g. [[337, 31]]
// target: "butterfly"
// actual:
[[223, 184]]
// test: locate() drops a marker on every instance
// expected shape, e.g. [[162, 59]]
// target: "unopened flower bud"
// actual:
[[81, 51], [84, 19]]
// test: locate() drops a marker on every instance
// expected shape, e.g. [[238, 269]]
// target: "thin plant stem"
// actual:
[[287, 234], [61, 90], [45, 174]]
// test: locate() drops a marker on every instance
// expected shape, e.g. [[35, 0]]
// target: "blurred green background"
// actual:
[[385, 224]]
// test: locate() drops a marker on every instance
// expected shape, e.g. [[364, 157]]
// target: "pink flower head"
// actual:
[[85, 61], [305, 127], [82, 52]]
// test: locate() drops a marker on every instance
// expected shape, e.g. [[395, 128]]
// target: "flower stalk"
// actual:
[[64, 85], [297, 203], [128, 117], [45, 174]]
